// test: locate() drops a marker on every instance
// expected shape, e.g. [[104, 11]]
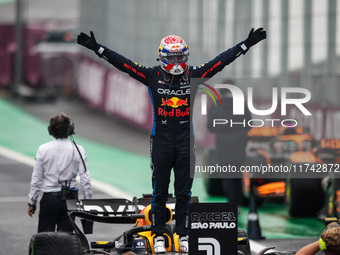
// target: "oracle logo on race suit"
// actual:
[[169, 92]]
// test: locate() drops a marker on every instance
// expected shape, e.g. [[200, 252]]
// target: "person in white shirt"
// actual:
[[57, 164]]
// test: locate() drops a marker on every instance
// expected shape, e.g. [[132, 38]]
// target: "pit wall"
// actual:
[[32, 68]]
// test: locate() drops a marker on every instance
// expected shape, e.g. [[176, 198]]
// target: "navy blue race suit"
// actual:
[[170, 136]]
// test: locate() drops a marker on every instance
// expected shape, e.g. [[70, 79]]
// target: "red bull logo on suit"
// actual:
[[174, 102]]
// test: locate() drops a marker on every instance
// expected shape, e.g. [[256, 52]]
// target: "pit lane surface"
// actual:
[[17, 227]]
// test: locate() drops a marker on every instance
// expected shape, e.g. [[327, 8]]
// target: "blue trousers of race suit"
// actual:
[[170, 151]]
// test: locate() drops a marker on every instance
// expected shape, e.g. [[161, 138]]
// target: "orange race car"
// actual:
[[289, 164], [329, 150]]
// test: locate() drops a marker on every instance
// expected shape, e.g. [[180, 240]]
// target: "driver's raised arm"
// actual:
[[136, 71]]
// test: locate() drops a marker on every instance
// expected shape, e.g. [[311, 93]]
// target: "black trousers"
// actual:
[[53, 214], [171, 151]]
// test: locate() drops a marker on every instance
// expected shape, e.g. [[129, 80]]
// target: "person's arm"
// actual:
[[309, 249], [36, 181], [122, 63], [210, 68], [85, 179]]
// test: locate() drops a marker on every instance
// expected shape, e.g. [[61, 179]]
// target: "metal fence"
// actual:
[[303, 36]]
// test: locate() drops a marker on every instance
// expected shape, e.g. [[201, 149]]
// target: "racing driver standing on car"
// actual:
[[169, 89]]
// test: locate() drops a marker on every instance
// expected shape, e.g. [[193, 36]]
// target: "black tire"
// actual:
[[54, 243], [244, 246], [304, 197]]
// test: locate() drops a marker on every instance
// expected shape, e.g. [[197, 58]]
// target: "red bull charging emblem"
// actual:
[[174, 102]]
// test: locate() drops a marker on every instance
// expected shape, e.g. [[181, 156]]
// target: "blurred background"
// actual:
[[41, 62], [39, 57]]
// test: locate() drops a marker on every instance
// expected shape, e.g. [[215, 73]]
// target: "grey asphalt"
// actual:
[[93, 124], [16, 227]]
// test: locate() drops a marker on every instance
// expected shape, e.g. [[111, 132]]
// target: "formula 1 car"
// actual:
[[329, 150], [135, 240], [304, 159], [295, 149], [266, 251]]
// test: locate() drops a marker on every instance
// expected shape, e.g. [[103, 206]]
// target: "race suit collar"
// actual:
[[167, 76]]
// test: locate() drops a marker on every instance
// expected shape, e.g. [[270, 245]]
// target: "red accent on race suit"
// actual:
[[134, 70], [211, 69]]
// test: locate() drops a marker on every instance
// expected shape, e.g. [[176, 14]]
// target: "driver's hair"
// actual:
[[331, 236]]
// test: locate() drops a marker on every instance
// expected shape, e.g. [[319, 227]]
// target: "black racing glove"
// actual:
[[90, 43], [256, 36], [253, 38]]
